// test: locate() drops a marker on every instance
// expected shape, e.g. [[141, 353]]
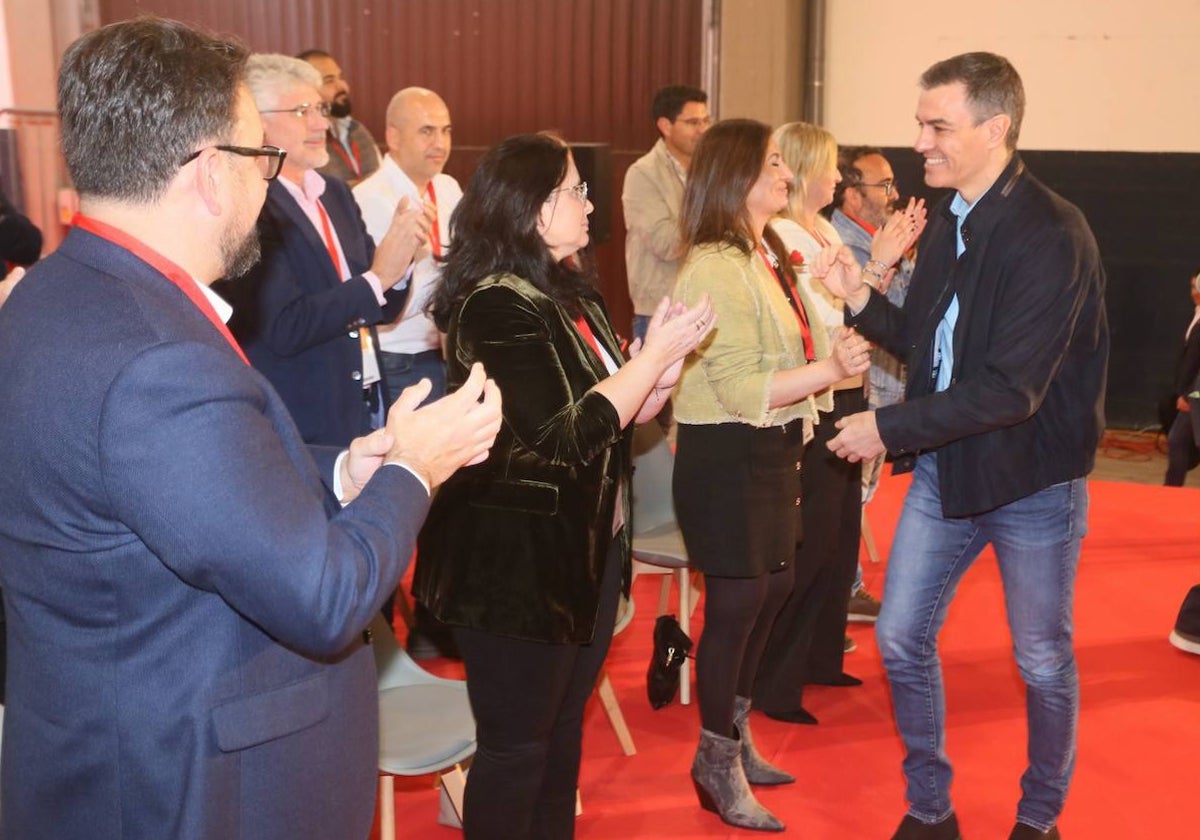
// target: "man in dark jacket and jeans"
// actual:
[[1006, 341]]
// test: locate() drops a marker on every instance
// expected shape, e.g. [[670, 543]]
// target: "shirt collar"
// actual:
[[661, 148], [154, 259], [397, 177], [867, 226], [310, 188], [224, 310]]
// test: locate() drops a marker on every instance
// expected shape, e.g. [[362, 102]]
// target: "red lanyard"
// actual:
[[164, 267], [585, 330], [810, 353], [435, 235], [330, 243], [353, 159]]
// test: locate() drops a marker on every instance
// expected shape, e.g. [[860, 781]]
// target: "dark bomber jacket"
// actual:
[[1025, 407]]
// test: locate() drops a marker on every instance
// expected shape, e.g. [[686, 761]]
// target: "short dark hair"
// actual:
[[993, 87], [669, 101], [137, 97], [494, 228], [312, 53], [852, 176]]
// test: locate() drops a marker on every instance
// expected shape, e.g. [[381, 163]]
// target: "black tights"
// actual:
[[738, 614]]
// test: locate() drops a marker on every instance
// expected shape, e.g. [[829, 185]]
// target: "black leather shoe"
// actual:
[[796, 715], [1021, 831], [912, 828]]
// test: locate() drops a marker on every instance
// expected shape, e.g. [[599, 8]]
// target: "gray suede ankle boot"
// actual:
[[758, 770], [721, 784]]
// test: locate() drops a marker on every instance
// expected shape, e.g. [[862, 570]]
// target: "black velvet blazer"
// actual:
[[516, 545]]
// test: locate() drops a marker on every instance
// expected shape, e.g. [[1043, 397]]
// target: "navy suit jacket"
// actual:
[[185, 598], [298, 321]]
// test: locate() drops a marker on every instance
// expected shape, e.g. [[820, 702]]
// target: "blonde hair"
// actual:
[[807, 150]]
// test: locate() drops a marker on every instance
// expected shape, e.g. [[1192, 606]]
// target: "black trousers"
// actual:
[[528, 699], [807, 640]]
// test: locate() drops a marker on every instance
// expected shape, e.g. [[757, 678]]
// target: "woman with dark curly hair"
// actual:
[[526, 554]]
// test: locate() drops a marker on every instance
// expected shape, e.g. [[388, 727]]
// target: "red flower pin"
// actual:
[[797, 259]]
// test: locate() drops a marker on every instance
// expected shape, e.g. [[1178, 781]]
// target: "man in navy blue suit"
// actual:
[[306, 314], [187, 583]]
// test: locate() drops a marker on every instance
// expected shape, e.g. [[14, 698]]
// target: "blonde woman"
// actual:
[[806, 644]]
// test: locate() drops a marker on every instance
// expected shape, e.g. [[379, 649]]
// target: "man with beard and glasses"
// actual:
[[306, 313], [353, 154], [186, 582]]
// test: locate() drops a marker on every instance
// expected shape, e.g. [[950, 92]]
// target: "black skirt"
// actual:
[[737, 496]]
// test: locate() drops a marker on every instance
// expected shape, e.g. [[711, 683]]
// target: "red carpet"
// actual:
[[1139, 740]]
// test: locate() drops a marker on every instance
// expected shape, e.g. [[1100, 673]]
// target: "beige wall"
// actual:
[[1098, 76], [761, 59]]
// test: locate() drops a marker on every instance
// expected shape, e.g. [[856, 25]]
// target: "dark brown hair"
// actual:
[[728, 161]]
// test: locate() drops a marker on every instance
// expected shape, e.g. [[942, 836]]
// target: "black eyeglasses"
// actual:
[[888, 186], [269, 158], [301, 111]]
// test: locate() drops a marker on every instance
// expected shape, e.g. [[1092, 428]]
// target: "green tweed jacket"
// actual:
[[727, 379]]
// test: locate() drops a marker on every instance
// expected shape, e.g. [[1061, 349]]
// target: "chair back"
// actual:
[[393, 664], [653, 506]]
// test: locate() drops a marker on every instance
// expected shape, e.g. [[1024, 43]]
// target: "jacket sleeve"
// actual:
[[648, 215], [522, 351], [296, 302], [732, 356], [1045, 283], [192, 463], [883, 323]]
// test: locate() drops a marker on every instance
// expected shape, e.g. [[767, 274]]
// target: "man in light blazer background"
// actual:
[[187, 583]]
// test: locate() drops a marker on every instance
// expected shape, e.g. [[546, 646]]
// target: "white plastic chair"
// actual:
[[657, 541], [425, 725]]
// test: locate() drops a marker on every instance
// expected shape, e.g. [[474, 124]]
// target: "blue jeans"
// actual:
[[1037, 541], [401, 370]]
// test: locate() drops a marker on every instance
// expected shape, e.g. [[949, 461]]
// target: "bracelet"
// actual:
[[882, 266], [874, 272]]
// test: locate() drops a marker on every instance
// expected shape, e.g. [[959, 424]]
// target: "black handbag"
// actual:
[[671, 646]]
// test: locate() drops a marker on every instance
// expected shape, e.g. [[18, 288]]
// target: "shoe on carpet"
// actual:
[[1185, 642], [850, 646], [1021, 831], [912, 828], [1186, 635], [864, 607]]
